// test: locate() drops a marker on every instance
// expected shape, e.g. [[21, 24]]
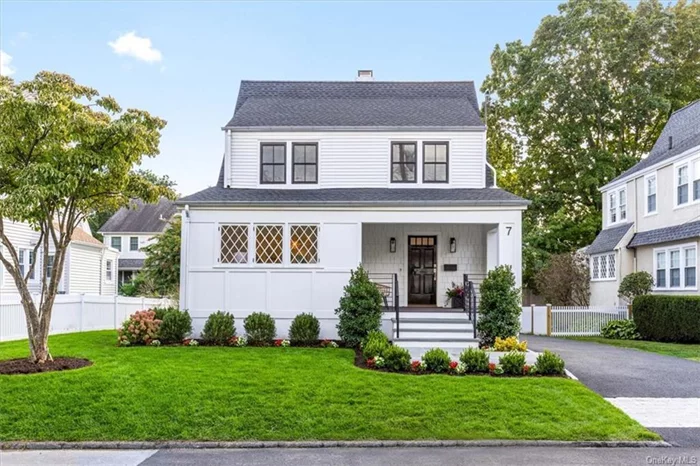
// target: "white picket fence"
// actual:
[[569, 320], [74, 313]]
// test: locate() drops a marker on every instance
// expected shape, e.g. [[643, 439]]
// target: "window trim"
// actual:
[[219, 230], [605, 278], [288, 256], [392, 163], [109, 271], [25, 254], [137, 244], [689, 164], [681, 248], [647, 212], [111, 243], [261, 165], [294, 163], [446, 162], [618, 211], [254, 256]]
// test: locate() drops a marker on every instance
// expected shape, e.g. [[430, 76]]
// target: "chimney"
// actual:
[[365, 75], [670, 142]]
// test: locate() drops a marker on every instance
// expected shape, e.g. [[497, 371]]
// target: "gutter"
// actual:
[[441, 129], [523, 204]]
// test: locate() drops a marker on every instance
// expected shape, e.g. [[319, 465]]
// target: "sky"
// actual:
[[183, 61]]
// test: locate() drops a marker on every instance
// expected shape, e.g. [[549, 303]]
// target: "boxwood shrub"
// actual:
[[304, 330], [219, 328], [260, 328], [667, 318]]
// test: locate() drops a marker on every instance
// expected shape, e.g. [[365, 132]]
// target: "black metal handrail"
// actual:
[[388, 285], [396, 302], [470, 306]]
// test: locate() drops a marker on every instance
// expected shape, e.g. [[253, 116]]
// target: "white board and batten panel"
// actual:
[[351, 159]]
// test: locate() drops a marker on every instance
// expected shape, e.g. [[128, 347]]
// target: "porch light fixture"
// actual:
[[453, 245], [392, 245]]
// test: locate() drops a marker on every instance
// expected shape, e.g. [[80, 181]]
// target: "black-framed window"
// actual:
[[273, 163], [304, 163], [435, 162], [403, 162]]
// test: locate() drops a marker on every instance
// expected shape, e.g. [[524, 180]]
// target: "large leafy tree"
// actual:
[[65, 152], [583, 102], [162, 265]]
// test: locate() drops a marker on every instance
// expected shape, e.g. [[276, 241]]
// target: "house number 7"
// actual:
[[509, 229]]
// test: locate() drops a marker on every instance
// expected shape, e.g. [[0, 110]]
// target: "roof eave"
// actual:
[[521, 204], [235, 128]]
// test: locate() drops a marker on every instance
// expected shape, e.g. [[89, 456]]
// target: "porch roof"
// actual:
[[400, 197]]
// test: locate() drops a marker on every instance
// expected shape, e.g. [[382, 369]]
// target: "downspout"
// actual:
[[184, 253], [495, 179]]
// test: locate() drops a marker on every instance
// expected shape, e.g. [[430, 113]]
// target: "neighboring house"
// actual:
[[131, 229], [651, 216], [320, 177], [90, 267]]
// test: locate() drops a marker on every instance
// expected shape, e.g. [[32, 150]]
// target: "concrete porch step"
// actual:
[[451, 326], [427, 343], [439, 334], [409, 316]]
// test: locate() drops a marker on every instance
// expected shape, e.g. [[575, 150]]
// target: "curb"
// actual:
[[167, 445]]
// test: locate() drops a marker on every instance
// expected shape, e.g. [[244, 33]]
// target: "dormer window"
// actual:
[[435, 162], [403, 162], [273, 163], [617, 206]]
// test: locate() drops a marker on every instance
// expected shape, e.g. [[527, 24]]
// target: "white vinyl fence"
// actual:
[[74, 313], [569, 320]]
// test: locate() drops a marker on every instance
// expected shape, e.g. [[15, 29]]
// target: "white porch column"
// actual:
[[510, 248]]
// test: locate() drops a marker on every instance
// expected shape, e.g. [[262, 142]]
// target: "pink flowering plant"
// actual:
[[141, 328]]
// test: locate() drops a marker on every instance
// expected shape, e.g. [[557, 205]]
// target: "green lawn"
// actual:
[[679, 350], [200, 393]]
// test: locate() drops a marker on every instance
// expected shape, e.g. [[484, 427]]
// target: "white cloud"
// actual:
[[131, 45], [5, 68]]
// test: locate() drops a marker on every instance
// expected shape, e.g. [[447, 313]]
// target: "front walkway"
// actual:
[[659, 391]]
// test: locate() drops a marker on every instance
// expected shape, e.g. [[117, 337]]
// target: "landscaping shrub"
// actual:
[[436, 360], [160, 311], [499, 306], [219, 328], [509, 344], [549, 363], [139, 329], [260, 328], [396, 359], [620, 330], [304, 330], [360, 308], [474, 360], [375, 344], [512, 363], [176, 325], [635, 284], [667, 318]]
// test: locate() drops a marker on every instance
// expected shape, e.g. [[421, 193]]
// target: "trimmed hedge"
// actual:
[[667, 318]]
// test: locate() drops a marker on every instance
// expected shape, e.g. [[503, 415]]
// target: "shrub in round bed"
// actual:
[[219, 328], [176, 325], [375, 344], [260, 328], [512, 363], [436, 360], [304, 330], [360, 309], [549, 363], [396, 359], [475, 360]]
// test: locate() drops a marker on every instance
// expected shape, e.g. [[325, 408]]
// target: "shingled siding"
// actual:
[[470, 256], [359, 159]]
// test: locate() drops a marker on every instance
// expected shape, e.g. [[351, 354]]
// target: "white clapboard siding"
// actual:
[[359, 159], [75, 313]]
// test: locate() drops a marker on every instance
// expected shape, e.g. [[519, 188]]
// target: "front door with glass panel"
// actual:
[[422, 269]]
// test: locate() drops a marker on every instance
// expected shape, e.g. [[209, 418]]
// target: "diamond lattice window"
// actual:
[[268, 244], [611, 266], [234, 244], [303, 245]]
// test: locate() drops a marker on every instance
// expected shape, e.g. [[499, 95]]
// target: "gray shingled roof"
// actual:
[[379, 104], [683, 127], [666, 235], [131, 264], [354, 196], [140, 218], [608, 239]]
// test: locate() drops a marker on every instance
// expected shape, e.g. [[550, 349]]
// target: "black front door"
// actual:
[[422, 269]]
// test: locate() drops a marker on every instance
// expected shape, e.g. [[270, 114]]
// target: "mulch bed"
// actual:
[[25, 366]]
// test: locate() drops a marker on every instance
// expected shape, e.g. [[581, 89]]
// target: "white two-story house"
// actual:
[[651, 216], [133, 228], [320, 177]]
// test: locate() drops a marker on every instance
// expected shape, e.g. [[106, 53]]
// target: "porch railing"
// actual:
[[471, 297], [388, 286]]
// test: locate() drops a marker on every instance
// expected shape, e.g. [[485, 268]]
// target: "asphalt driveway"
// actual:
[[615, 372]]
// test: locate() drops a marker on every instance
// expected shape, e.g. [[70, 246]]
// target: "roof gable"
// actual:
[[140, 218], [265, 104]]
